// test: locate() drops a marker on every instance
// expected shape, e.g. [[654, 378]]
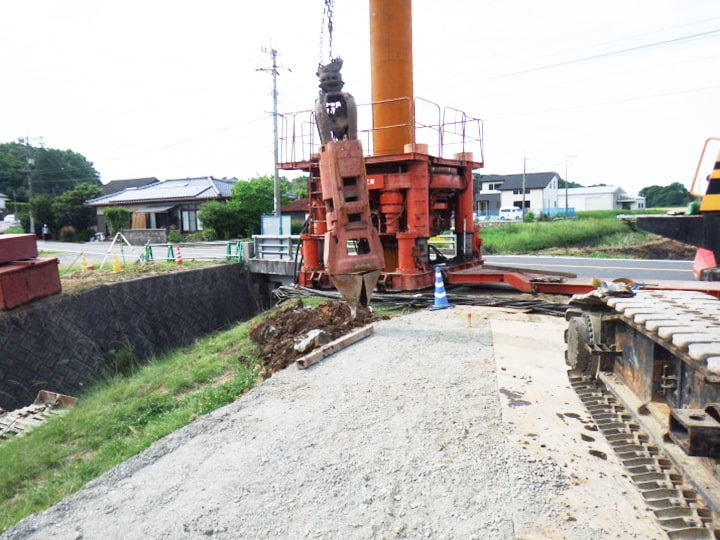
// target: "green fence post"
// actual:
[[170, 254]]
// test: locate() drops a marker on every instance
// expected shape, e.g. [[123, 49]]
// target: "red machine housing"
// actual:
[[412, 197], [415, 191]]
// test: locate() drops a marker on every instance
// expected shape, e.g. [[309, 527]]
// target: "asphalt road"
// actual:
[[639, 270], [69, 253]]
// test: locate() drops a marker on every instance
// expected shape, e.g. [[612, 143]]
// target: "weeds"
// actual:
[[536, 236], [120, 417]]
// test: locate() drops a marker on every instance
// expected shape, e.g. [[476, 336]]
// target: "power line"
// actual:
[[603, 103], [700, 35]]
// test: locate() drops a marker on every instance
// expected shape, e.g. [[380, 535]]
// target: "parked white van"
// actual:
[[511, 213]]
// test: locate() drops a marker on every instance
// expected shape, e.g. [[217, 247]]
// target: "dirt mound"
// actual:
[[659, 248], [279, 333], [654, 248]]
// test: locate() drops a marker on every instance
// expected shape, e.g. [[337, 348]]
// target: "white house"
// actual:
[[600, 198], [535, 191], [3, 200]]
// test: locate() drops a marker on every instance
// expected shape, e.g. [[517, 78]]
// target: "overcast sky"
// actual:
[[176, 88]]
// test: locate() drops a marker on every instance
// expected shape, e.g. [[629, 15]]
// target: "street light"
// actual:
[[566, 183]]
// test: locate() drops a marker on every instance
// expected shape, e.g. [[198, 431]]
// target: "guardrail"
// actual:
[[284, 247], [281, 247]]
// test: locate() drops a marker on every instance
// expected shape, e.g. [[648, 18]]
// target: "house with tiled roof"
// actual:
[[164, 205], [119, 185]]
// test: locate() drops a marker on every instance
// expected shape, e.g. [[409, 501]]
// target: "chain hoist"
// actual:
[[327, 16]]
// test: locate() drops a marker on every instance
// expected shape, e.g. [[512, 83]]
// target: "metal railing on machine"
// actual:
[[446, 131], [284, 247]]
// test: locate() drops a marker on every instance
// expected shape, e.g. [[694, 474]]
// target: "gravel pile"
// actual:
[[398, 436]]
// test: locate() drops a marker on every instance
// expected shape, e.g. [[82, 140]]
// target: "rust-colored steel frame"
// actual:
[[413, 196]]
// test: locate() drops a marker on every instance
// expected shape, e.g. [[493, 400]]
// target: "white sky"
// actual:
[[171, 88]]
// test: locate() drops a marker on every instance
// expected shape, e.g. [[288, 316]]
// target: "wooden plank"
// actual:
[[334, 346]]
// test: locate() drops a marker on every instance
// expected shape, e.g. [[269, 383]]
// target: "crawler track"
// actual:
[[680, 511]]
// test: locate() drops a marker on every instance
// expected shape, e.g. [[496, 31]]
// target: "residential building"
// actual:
[[119, 185], [600, 198], [165, 205], [533, 191]]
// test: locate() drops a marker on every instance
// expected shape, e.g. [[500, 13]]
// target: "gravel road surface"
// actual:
[[450, 424]]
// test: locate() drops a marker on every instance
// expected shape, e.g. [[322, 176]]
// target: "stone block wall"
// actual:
[[62, 343]]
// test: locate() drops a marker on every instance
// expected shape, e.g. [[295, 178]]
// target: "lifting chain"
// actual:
[[327, 15]]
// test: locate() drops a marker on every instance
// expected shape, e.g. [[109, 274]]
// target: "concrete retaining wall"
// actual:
[[62, 343]]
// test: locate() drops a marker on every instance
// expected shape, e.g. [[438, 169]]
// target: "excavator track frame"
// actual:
[[657, 355]]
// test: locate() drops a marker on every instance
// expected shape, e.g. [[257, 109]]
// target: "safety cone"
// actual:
[[178, 255], [116, 264], [441, 301], [83, 262]]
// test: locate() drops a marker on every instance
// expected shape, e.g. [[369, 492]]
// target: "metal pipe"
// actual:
[[391, 75]]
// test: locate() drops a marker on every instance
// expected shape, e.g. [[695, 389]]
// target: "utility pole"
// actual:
[[566, 184], [523, 188], [30, 162], [274, 71]]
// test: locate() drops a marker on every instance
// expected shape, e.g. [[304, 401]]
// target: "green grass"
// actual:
[[120, 417], [591, 229]]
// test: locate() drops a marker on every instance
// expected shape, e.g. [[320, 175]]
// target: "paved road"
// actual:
[[639, 270], [69, 253]]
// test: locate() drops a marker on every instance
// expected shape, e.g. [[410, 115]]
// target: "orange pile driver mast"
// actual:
[[411, 195]]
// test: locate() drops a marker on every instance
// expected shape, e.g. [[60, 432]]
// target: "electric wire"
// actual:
[[425, 299]]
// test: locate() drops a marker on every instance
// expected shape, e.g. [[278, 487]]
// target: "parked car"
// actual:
[[511, 213], [8, 222]]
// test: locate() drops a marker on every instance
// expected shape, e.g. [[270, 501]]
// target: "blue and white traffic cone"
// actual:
[[441, 301]]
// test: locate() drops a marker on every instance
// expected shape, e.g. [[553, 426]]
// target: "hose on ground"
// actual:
[[426, 299]]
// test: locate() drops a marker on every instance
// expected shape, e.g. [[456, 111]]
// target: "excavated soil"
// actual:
[[279, 334], [655, 248]]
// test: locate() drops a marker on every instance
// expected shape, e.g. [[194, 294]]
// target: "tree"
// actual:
[[252, 199], [674, 194], [570, 185], [222, 218], [241, 214], [69, 207], [42, 211], [117, 218], [13, 170], [53, 171], [57, 171], [298, 186]]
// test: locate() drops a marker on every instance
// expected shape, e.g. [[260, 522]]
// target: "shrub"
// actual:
[[117, 219], [84, 236], [174, 236], [206, 235], [67, 233]]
